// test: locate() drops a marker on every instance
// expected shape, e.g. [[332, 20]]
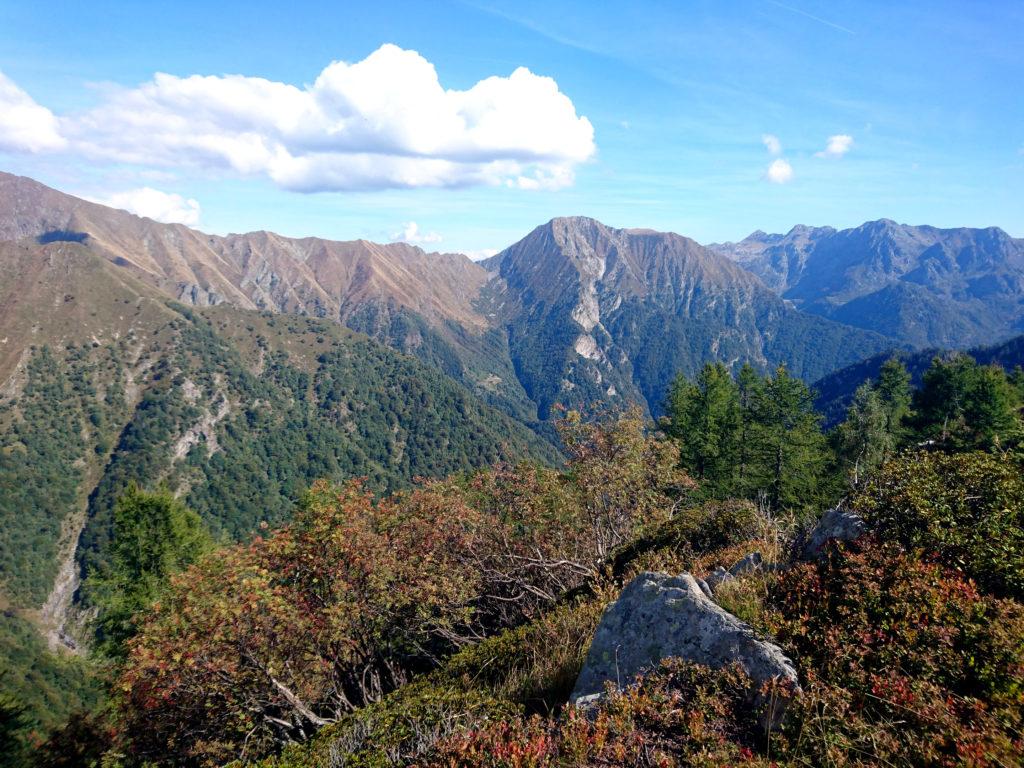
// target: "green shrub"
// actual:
[[968, 508]]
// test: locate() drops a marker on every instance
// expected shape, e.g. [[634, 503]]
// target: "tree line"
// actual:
[[759, 436]]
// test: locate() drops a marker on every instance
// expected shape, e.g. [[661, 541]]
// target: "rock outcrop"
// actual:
[[660, 616], [835, 524]]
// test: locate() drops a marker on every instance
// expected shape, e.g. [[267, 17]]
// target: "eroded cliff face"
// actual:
[[597, 314]]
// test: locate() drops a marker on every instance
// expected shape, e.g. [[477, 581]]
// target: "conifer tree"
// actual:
[[155, 536], [964, 406], [788, 444], [749, 385], [895, 396], [865, 438], [705, 419]]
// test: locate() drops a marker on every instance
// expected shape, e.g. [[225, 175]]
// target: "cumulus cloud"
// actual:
[[772, 144], [837, 146], [410, 233], [779, 172], [481, 254], [25, 126], [168, 207], [383, 122]]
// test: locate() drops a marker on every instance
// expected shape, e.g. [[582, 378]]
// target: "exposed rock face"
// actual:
[[595, 313], [752, 562], [834, 524], [718, 577], [659, 616]]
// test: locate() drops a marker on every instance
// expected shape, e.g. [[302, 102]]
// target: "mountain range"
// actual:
[[137, 351], [921, 286], [598, 300], [237, 369]]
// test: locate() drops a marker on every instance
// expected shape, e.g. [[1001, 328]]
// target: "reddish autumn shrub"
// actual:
[[682, 715], [904, 659], [260, 645]]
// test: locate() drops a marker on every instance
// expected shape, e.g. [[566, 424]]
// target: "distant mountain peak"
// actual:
[[919, 284]]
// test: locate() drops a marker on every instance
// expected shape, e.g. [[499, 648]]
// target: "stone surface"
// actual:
[[660, 616], [834, 524], [752, 562], [718, 577]]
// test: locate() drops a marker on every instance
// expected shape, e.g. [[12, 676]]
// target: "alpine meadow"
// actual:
[[511, 385]]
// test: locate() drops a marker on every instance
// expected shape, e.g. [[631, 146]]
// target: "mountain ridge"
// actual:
[[621, 311], [477, 322], [923, 285]]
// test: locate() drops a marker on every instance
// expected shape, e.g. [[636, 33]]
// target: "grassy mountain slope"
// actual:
[[420, 303]]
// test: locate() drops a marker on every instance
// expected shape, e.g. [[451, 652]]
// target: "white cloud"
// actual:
[[481, 254], [168, 207], [772, 144], [383, 122], [837, 146], [410, 233], [779, 172], [24, 125]]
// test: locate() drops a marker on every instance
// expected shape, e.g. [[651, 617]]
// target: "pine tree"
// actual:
[[787, 443], [14, 728], [964, 406], [990, 410], [155, 536], [865, 438], [704, 417], [895, 396], [749, 385]]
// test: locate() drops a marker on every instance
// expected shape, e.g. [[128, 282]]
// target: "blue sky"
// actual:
[[663, 115]]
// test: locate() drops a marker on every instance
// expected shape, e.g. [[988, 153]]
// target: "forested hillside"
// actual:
[[834, 392], [235, 411], [445, 625]]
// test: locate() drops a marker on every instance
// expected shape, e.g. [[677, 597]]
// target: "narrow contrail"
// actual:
[[812, 16]]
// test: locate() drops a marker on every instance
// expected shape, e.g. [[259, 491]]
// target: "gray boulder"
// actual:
[[834, 524], [717, 578], [752, 562], [659, 616]]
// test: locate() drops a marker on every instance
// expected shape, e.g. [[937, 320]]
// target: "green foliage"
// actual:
[[895, 395], [155, 536], [750, 436], [50, 686], [962, 405], [876, 424], [260, 644], [14, 727], [338, 410], [705, 418], [967, 508], [45, 447], [81, 742]]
